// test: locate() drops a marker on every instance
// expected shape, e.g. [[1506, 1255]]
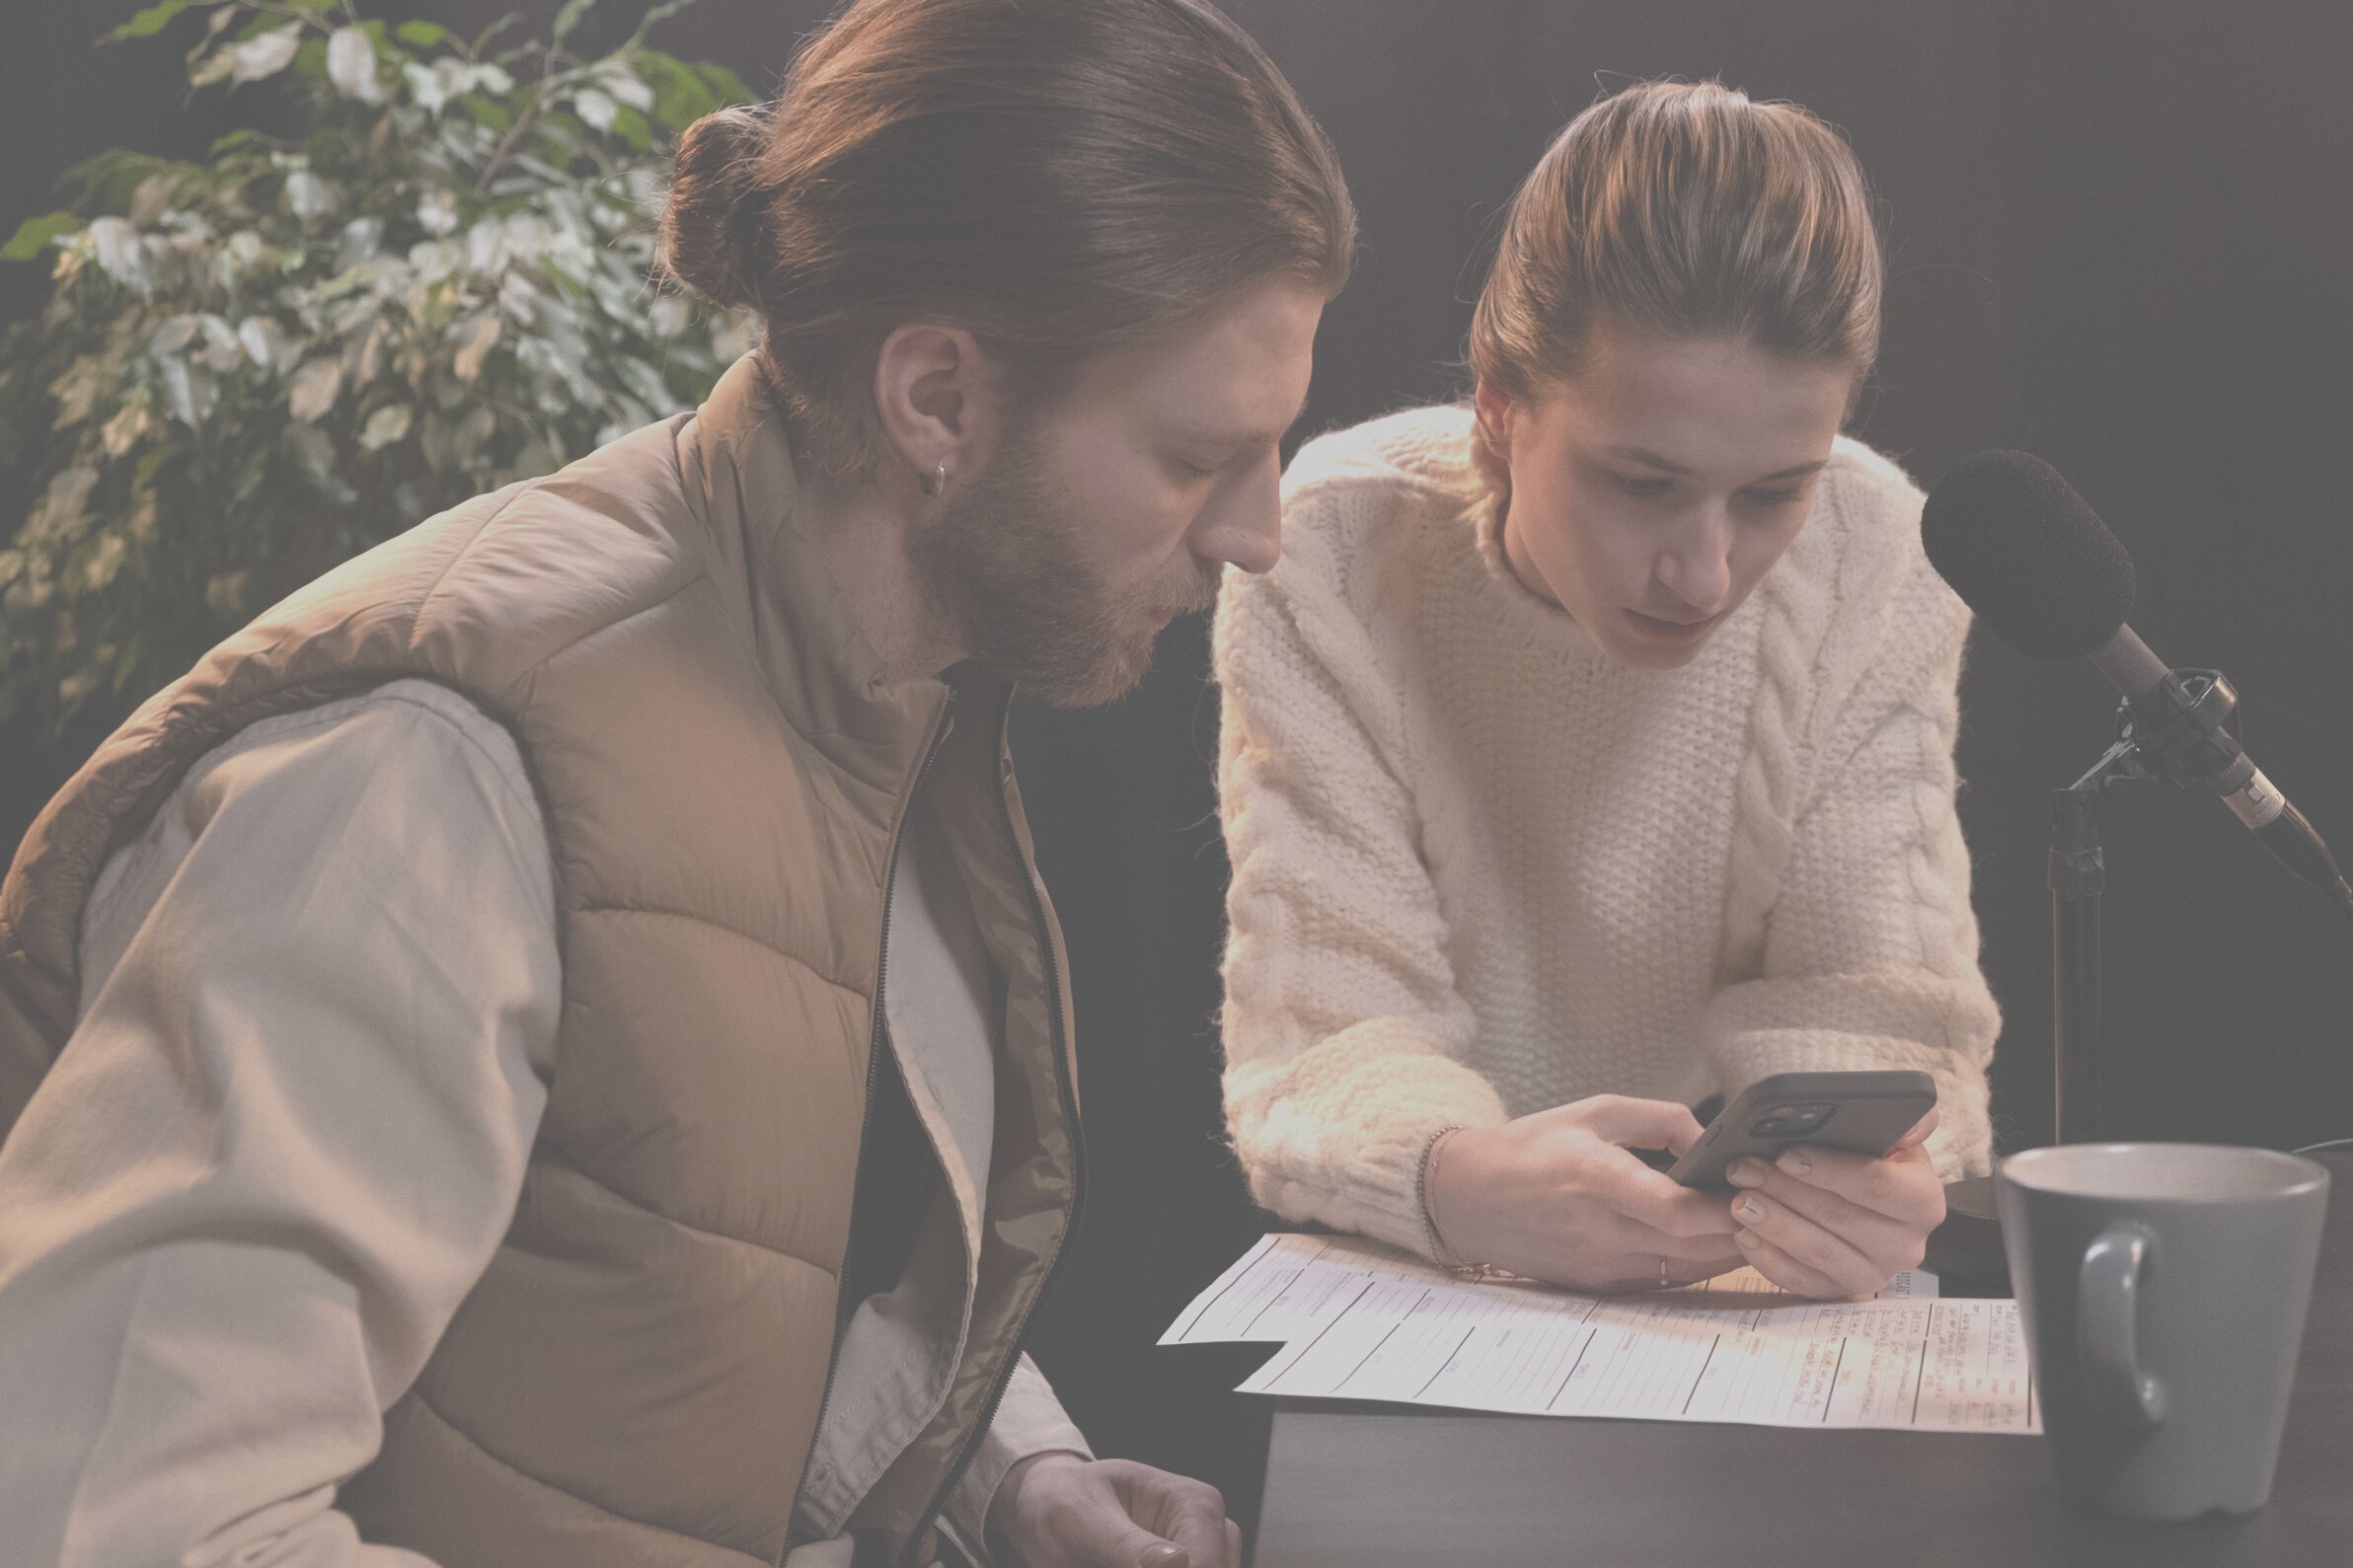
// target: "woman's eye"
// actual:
[[1634, 484], [1782, 498]]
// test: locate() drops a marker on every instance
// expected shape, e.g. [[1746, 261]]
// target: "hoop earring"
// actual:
[[935, 481]]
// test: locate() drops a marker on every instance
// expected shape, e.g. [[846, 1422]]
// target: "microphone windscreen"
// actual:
[[2029, 555]]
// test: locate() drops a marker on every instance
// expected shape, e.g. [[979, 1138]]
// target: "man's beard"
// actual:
[[1003, 564]]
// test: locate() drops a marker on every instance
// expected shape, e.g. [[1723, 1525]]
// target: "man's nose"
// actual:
[[1243, 527]]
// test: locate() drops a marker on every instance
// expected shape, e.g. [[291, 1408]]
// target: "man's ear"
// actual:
[[934, 399], [1494, 419]]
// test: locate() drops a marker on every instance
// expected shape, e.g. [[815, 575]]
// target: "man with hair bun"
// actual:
[[549, 1047]]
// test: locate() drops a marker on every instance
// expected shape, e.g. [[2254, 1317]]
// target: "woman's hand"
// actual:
[[1066, 1511], [1555, 1197], [1827, 1224]]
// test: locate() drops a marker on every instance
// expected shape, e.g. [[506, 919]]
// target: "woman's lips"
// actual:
[[1663, 631]]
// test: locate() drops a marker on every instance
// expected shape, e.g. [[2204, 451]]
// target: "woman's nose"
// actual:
[[1699, 569]]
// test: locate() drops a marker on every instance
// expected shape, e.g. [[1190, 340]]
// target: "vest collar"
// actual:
[[739, 468]]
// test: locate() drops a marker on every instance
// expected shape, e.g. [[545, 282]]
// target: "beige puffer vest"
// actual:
[[638, 1377]]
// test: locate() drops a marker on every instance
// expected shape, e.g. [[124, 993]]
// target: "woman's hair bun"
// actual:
[[712, 225]]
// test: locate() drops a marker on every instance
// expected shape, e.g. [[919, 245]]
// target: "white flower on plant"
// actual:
[[431, 260], [176, 334], [223, 351], [120, 255], [265, 56], [386, 425], [149, 201], [308, 196], [528, 236], [351, 65], [358, 241], [190, 391], [428, 85], [265, 340], [314, 389], [596, 110], [628, 87], [241, 253], [432, 86], [670, 315], [437, 210], [485, 247], [518, 297]]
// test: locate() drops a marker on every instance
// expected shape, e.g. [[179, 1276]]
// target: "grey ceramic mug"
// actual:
[[2162, 1289]]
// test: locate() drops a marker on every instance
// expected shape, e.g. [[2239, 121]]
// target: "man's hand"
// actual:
[[1061, 1511], [1827, 1224], [1555, 1196]]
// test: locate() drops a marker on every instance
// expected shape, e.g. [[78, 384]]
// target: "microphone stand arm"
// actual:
[[2078, 876], [2183, 730]]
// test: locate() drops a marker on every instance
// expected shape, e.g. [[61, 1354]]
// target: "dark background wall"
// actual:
[[2120, 237]]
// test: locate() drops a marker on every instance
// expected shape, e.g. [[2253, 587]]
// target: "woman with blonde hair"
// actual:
[[1590, 751]]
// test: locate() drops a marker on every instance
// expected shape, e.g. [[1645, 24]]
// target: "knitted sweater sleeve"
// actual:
[[1343, 1028], [1867, 954]]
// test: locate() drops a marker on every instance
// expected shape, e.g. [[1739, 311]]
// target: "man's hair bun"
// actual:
[[712, 227], [1055, 176]]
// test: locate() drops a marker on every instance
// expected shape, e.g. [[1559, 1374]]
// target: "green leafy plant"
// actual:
[[257, 365]]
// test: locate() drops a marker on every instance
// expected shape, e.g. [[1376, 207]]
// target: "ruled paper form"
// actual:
[[1357, 1320]]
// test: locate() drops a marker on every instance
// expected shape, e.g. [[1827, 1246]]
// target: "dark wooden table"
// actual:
[[1351, 1487]]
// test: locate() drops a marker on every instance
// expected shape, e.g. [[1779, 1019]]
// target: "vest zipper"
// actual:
[[1078, 1187], [941, 730]]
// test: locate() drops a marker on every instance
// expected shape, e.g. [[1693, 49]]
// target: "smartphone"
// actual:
[[1863, 1113]]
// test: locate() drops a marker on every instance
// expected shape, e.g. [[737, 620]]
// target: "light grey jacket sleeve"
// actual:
[[1029, 1420], [282, 1143]]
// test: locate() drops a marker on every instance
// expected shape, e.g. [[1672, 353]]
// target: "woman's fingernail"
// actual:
[[1749, 1209], [1744, 1240], [1744, 1173], [1796, 1161]]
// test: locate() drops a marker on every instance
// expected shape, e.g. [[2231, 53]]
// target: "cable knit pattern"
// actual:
[[1480, 868]]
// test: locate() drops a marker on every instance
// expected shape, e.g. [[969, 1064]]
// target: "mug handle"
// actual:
[[2107, 1331]]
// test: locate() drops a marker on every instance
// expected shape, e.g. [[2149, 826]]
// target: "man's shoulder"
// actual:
[[410, 726], [554, 561]]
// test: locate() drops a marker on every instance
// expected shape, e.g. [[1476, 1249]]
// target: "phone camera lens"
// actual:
[[1791, 1121]]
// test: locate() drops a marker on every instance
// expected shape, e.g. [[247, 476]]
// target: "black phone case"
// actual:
[[1875, 1110]]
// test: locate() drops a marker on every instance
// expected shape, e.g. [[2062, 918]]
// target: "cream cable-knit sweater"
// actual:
[[1480, 869]]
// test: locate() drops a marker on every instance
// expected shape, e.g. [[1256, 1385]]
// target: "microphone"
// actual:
[[2042, 571]]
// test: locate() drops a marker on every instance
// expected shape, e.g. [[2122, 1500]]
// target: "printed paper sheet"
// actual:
[[1357, 1320]]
